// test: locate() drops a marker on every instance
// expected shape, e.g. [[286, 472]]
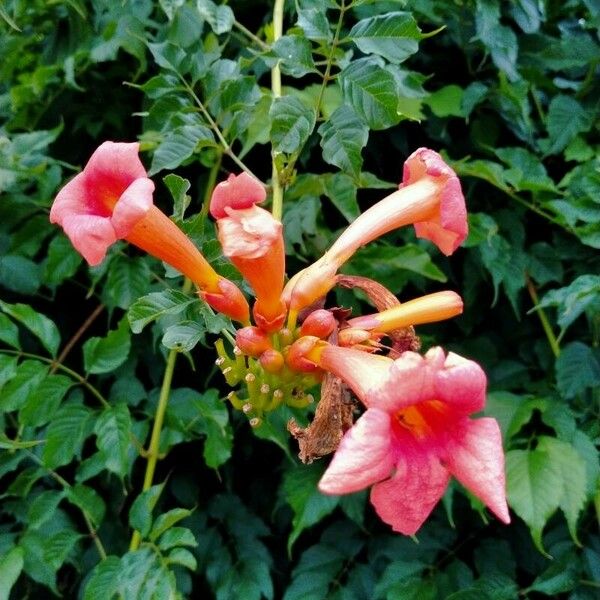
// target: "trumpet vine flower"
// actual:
[[253, 240], [429, 197], [111, 199], [415, 434]]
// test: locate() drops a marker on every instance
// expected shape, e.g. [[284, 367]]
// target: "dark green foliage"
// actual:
[[508, 91]]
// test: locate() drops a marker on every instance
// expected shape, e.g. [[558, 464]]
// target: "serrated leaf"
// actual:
[[220, 18], [140, 513], [65, 434], [313, 21], [127, 280], [11, 565], [63, 261], [58, 547], [295, 54], [394, 35], [155, 305], [181, 556], [113, 432], [566, 118], [343, 137], [177, 536], [40, 406], [309, 505], [29, 375], [183, 336], [89, 501], [577, 368], [341, 190], [9, 332], [371, 91], [167, 520], [447, 101], [103, 355], [104, 580], [291, 124], [178, 187], [143, 576], [41, 326], [43, 507]]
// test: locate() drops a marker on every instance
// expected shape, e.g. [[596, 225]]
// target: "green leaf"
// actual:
[[9, 332], [341, 190], [178, 187], [11, 565], [184, 336], [113, 433], [179, 144], [167, 520], [140, 513], [291, 124], [371, 91], [566, 118], [59, 546], [220, 18], [21, 387], [177, 536], [394, 35], [577, 368], [20, 274], [181, 556], [561, 576], [343, 137], [127, 280], [40, 406], [582, 295], [41, 326], [313, 21], [447, 101], [155, 305], [43, 508], [63, 261], [89, 501], [309, 505], [65, 434], [104, 580], [8, 368], [104, 355], [295, 54]]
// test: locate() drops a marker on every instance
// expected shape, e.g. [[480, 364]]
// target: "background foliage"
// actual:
[[508, 90]]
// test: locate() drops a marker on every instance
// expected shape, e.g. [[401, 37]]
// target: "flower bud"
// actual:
[[296, 355], [271, 361], [252, 341], [319, 323]]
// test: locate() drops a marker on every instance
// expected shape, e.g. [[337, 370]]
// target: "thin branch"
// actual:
[[277, 208], [251, 35], [552, 340]]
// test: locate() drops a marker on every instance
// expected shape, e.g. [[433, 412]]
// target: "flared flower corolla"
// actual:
[[415, 434], [426, 309], [111, 199], [253, 240], [429, 197]]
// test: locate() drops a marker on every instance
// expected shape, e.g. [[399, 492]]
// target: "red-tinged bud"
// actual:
[[271, 361], [319, 323], [353, 336], [296, 357], [252, 341], [268, 324], [230, 301], [286, 337]]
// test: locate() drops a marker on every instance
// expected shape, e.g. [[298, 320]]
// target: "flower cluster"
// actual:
[[415, 430]]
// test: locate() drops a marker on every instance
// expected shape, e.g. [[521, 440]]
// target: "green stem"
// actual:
[[57, 366], [65, 484], [251, 35], [552, 340], [277, 209], [210, 184]]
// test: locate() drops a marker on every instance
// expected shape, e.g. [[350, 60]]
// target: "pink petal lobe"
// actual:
[[461, 384], [132, 206], [116, 164], [474, 456], [407, 499], [237, 192], [363, 457], [91, 235], [71, 200]]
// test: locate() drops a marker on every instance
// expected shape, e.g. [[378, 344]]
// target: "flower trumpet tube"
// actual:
[[253, 240], [427, 309], [415, 434], [429, 197], [111, 199]]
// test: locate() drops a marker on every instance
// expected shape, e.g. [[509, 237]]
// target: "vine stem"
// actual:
[[251, 35], [65, 484], [277, 209], [152, 454], [552, 340], [55, 365]]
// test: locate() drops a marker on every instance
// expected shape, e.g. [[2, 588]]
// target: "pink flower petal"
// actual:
[[91, 235], [239, 191], [407, 499], [363, 456], [461, 384], [132, 206], [474, 456]]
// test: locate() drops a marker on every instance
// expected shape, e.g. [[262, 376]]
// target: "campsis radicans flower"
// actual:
[[429, 197], [112, 199], [415, 434], [253, 240]]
